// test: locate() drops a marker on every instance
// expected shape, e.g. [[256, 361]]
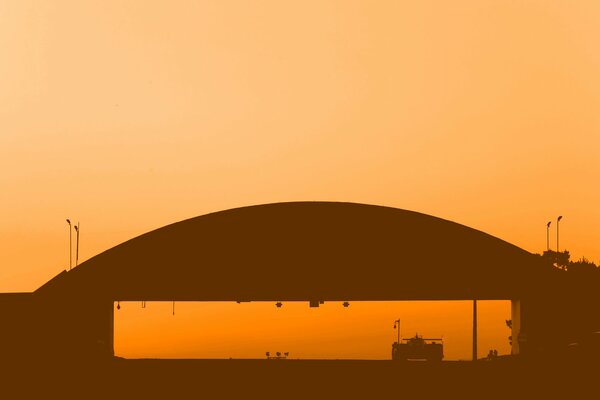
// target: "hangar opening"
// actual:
[[248, 330]]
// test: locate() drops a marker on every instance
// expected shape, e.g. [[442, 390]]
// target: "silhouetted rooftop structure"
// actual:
[[310, 251], [301, 251]]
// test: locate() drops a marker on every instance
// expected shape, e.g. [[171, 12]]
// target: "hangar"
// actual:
[[296, 251]]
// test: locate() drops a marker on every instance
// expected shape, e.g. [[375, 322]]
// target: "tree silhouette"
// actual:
[[583, 265], [557, 259], [561, 260]]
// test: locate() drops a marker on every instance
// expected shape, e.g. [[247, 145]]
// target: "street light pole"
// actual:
[[557, 222], [70, 244], [548, 235], [397, 326], [77, 246]]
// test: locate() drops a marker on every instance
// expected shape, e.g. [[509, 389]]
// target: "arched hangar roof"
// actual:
[[307, 251]]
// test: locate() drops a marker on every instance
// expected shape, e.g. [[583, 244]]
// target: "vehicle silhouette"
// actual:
[[418, 348]]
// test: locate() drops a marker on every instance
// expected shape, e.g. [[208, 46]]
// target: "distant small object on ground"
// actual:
[[418, 348], [278, 355]]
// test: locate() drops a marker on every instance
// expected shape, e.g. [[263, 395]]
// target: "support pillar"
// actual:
[[474, 330], [516, 331]]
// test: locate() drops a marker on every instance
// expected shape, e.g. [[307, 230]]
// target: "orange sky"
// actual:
[[127, 116]]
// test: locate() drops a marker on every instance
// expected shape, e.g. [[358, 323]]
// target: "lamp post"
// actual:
[[397, 326], [70, 244], [77, 246], [557, 222], [548, 235]]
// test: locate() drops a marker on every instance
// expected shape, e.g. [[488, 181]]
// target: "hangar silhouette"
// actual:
[[297, 251]]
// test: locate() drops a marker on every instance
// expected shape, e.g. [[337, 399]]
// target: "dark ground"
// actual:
[[312, 379]]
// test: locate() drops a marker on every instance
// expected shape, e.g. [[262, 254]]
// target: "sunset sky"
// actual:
[[129, 115]]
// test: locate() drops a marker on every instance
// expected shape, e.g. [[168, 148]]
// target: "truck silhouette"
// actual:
[[418, 348]]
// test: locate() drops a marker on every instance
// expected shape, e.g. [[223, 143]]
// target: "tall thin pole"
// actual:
[[70, 244], [474, 330], [557, 222], [77, 246], [548, 236]]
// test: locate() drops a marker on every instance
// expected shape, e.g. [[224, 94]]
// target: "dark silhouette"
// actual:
[[509, 326], [302, 251], [562, 261], [492, 355], [418, 348]]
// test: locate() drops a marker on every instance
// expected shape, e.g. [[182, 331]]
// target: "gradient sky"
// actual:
[[127, 116]]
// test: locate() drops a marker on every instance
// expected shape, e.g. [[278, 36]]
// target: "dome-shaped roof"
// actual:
[[307, 251]]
